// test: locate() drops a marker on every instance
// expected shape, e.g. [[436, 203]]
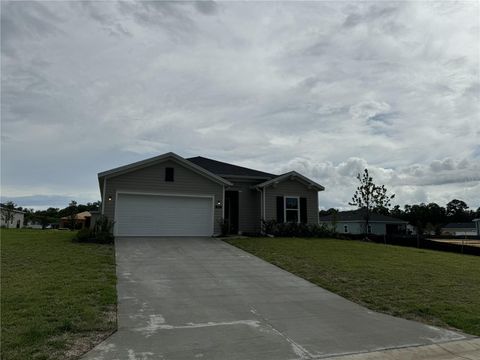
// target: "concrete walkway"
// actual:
[[454, 350], [200, 298]]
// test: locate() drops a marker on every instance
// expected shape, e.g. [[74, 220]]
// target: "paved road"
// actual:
[[200, 298]]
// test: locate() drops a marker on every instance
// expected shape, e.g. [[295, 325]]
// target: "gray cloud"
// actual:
[[325, 88], [206, 7]]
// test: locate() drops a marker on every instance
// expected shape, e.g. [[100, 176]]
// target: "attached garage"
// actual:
[[163, 215], [163, 196]]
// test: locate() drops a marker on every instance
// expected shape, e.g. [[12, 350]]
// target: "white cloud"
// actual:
[[326, 88]]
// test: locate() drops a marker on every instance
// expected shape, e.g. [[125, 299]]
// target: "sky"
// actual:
[[323, 88]]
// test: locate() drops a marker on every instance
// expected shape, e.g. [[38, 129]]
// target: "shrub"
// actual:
[[271, 227], [103, 230], [101, 233], [84, 235]]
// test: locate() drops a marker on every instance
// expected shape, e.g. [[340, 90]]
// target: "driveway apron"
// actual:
[[200, 298]]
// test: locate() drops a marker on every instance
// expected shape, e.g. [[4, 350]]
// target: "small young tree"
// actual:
[[370, 197], [8, 211]]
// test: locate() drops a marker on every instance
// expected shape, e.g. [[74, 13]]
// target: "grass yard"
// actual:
[[437, 288], [58, 298]]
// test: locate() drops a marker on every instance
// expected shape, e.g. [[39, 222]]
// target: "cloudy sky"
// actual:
[[324, 88]]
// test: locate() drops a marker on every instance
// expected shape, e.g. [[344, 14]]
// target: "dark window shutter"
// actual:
[[280, 209], [303, 210]]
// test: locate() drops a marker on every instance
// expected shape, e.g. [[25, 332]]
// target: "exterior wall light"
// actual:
[[109, 198]]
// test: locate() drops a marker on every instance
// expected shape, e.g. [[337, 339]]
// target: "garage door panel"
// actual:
[[161, 215]]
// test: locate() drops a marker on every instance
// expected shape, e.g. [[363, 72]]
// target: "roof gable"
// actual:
[[159, 159], [292, 175], [224, 169]]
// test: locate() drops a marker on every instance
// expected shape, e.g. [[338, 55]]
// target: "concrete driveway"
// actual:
[[200, 298]]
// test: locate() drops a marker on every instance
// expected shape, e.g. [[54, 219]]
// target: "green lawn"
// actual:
[[438, 288], [58, 298]]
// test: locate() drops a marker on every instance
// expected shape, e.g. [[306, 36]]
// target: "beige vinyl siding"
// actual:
[[249, 214], [151, 179], [291, 188]]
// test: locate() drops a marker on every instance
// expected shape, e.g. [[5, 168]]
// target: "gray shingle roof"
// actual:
[[225, 169], [359, 215]]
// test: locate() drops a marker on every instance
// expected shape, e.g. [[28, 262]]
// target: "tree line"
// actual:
[[427, 217], [51, 215]]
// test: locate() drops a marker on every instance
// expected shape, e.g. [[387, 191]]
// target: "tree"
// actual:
[[397, 212], [8, 210], [370, 197], [457, 211], [72, 214]]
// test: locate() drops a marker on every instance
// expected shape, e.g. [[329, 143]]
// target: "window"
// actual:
[[369, 229], [345, 228], [169, 174], [292, 209]]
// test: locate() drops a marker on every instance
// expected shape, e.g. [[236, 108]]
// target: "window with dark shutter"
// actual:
[[280, 209], [303, 210], [169, 174]]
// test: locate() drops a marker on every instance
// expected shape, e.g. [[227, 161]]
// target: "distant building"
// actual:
[[353, 222], [34, 224], [460, 229], [82, 220], [477, 226], [15, 222]]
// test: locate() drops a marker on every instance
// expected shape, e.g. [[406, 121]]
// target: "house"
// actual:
[[353, 222], [34, 224], [15, 221], [460, 229], [169, 195], [477, 226], [82, 220]]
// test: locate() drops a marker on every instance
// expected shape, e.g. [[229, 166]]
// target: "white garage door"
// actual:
[[161, 215]]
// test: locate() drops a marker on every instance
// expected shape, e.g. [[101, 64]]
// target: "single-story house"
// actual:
[[353, 222], [16, 221], [460, 229], [169, 195], [82, 220], [477, 225], [34, 224]]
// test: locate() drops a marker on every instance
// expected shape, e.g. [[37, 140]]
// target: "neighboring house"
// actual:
[[460, 229], [34, 224], [353, 222], [169, 195], [15, 222], [477, 226], [82, 220]]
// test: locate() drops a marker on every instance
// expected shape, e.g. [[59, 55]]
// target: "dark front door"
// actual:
[[231, 211]]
